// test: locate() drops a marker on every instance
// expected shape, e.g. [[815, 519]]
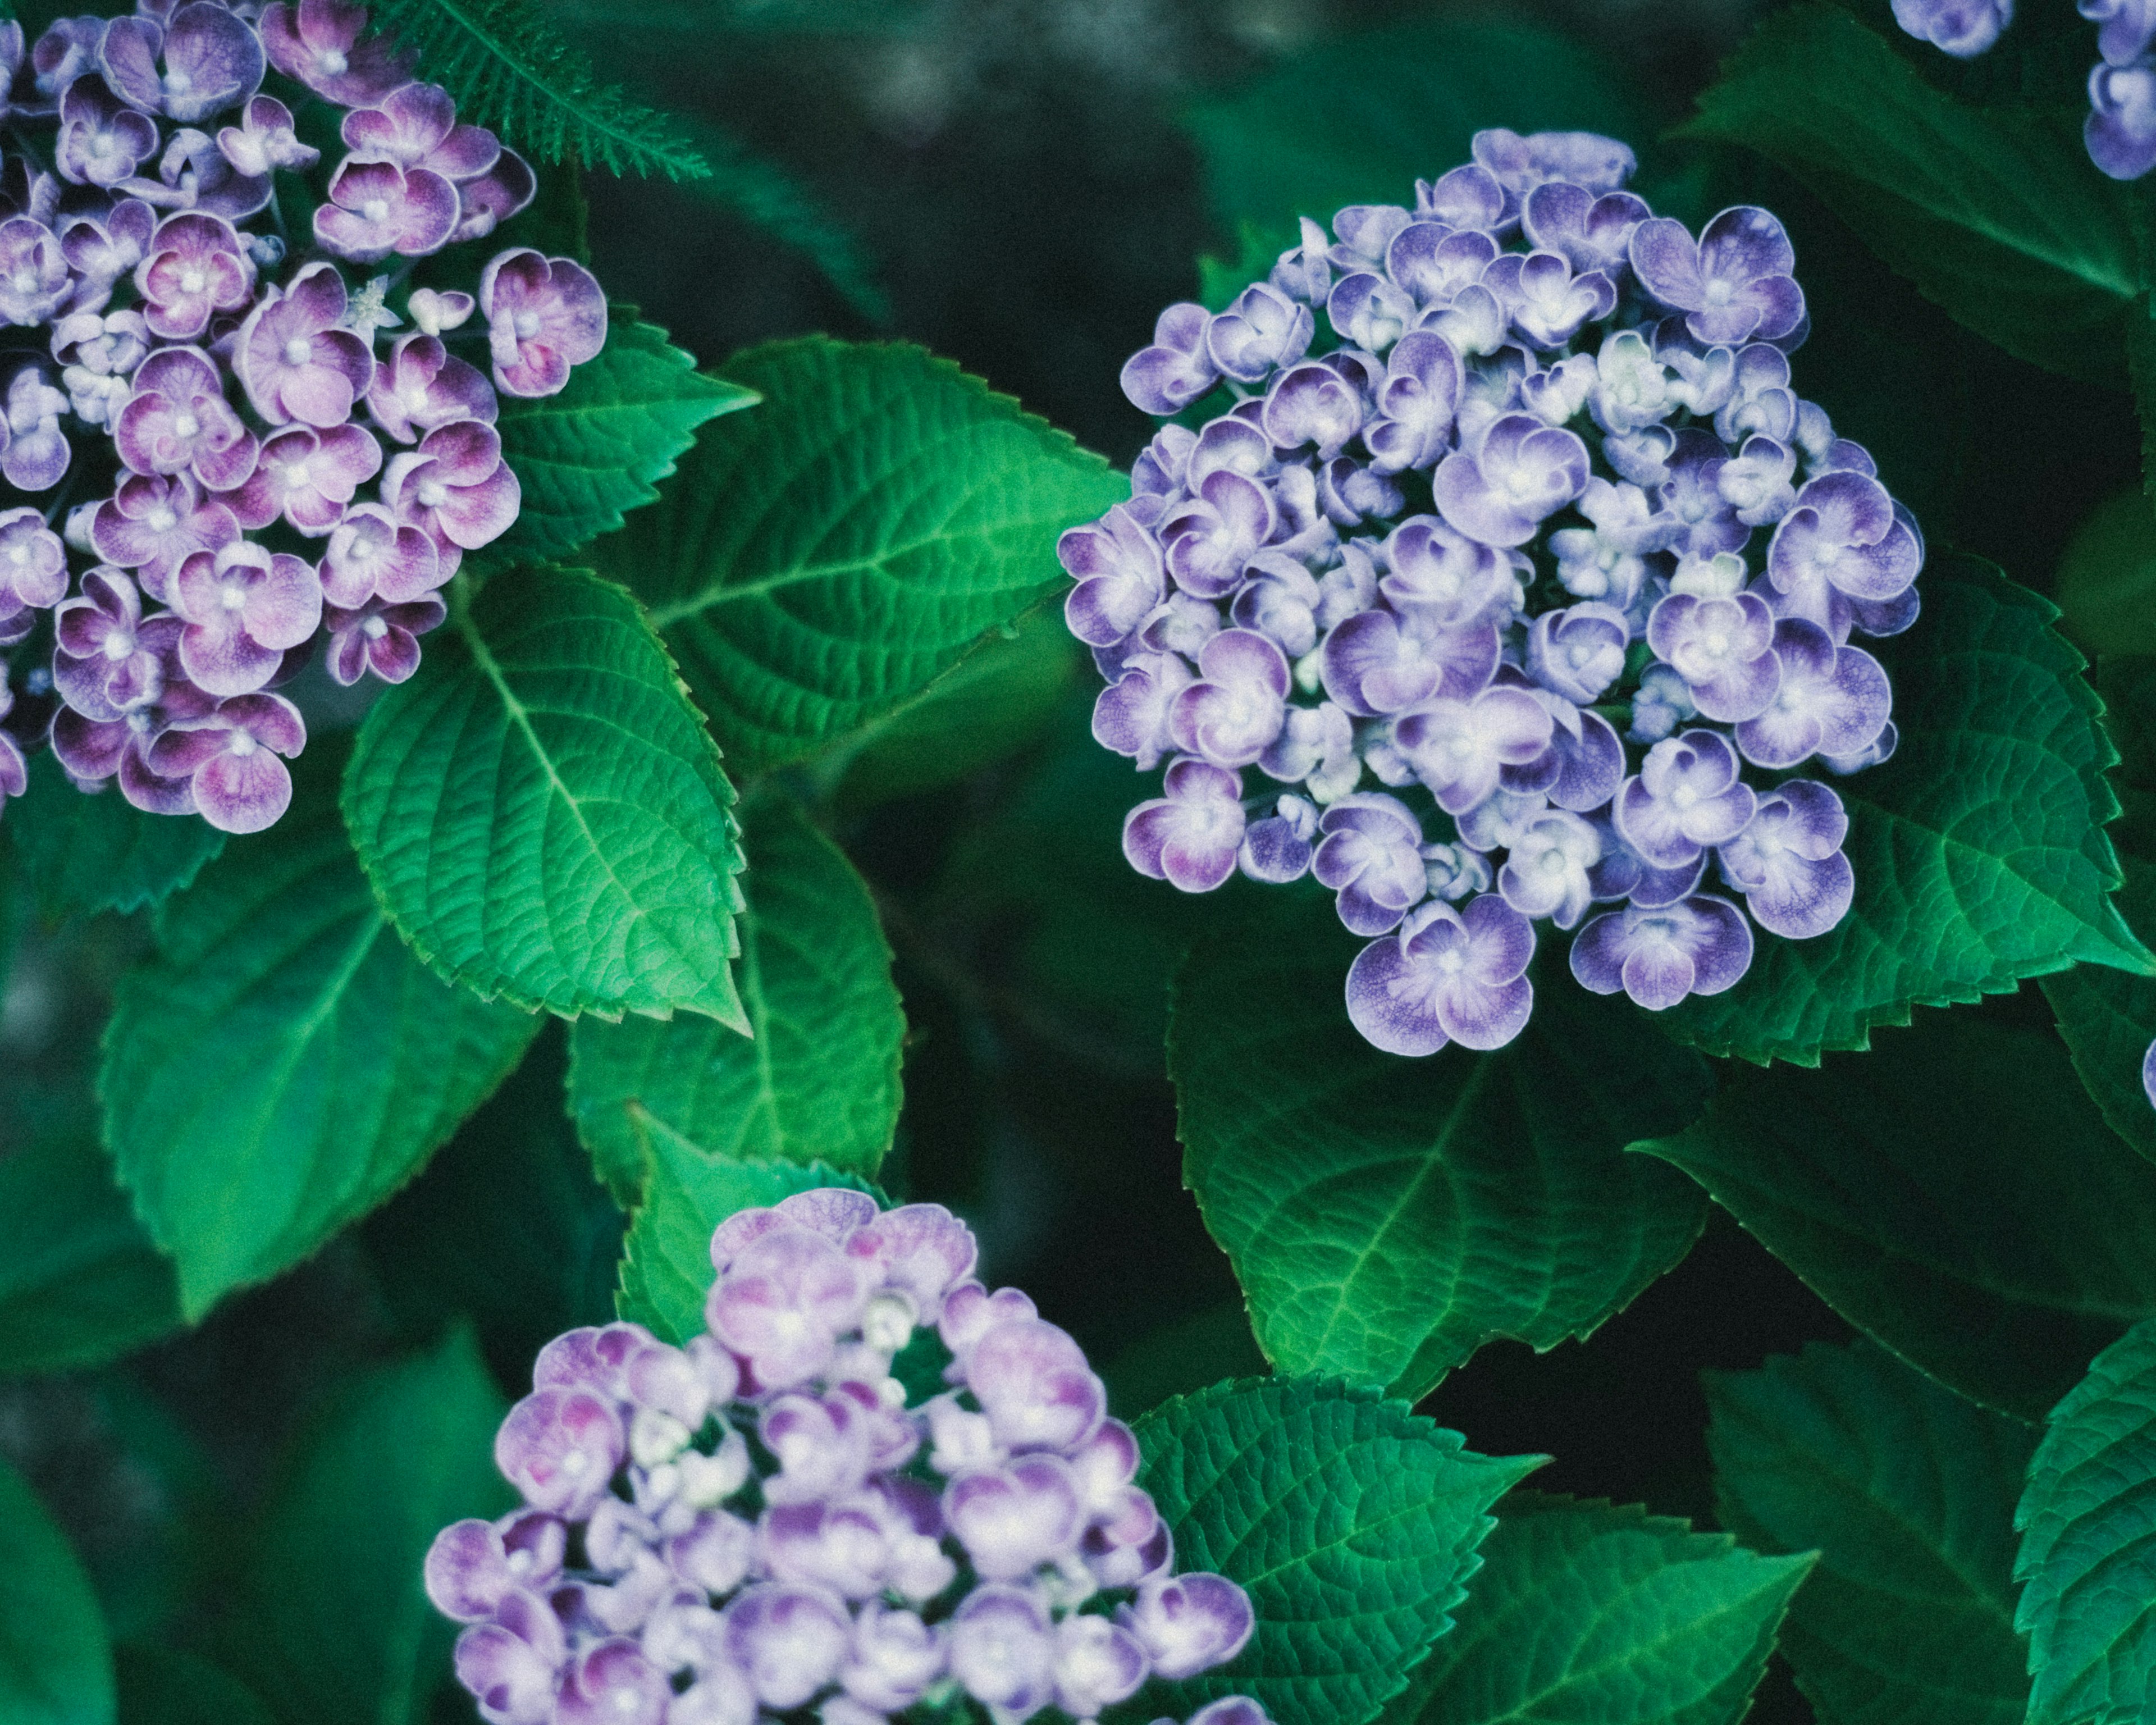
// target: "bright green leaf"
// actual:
[[666, 1261], [993, 701], [2127, 684], [1980, 850], [285, 1064], [55, 1660], [1355, 120], [1907, 1493], [1351, 1524], [821, 561], [507, 69], [1954, 1193], [1587, 1611], [2087, 1562], [159, 1687], [2108, 1019], [588, 455], [1386, 1217], [1994, 212], [817, 1081], [82, 853], [2106, 585], [81, 1282], [331, 1618], [543, 815]]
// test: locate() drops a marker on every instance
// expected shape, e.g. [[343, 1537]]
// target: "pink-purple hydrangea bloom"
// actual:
[[210, 381], [763, 1520], [1591, 682]]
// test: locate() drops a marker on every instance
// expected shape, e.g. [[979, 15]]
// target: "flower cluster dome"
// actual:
[[1491, 569], [263, 462], [760, 1523]]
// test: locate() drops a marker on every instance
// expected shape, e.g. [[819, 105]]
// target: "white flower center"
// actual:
[[118, 645], [162, 520], [1452, 961], [528, 325], [26, 280], [374, 629], [233, 596], [1716, 643], [241, 746], [415, 399], [192, 280], [1553, 862], [330, 63], [433, 494], [295, 476], [299, 350], [179, 83], [186, 424], [375, 209], [1683, 797], [18, 554]]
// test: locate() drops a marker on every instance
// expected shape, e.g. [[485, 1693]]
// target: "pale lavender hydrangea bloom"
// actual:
[[660, 1569], [1964, 28], [1647, 559]]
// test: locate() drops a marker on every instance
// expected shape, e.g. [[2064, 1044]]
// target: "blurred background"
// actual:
[[1021, 185]]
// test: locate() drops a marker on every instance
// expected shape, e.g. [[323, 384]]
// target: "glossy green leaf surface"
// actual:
[[55, 1658]]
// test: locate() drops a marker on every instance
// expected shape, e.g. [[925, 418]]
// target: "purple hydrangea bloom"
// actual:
[[264, 141], [1546, 872], [1233, 712], [1277, 847], [486, 200], [1189, 837], [212, 60], [1436, 264], [177, 421], [308, 477], [1964, 28], [1447, 976], [295, 359], [1178, 368], [1117, 565], [1589, 233], [1372, 857], [544, 316], [1841, 552], [229, 759], [1700, 945], [1685, 798], [32, 564], [1384, 661], [1578, 652], [1831, 701], [102, 139], [1312, 404], [1211, 538], [455, 488], [33, 271], [378, 207], [2120, 131], [416, 125], [150, 525], [319, 43], [244, 608], [1523, 472], [37, 453], [192, 268], [421, 386], [1458, 747], [1548, 302], [1735, 283], [1264, 328], [1723, 649], [1131, 716], [1416, 404], [107, 660], [1788, 862], [1584, 159]]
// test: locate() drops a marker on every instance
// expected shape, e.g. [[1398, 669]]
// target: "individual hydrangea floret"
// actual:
[[1492, 571], [767, 1518], [216, 381]]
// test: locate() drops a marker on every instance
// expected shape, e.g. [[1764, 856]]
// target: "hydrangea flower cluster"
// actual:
[[2120, 131], [1513, 509], [759, 1523], [218, 387]]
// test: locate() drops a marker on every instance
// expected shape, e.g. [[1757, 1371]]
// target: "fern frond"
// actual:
[[767, 195], [509, 69]]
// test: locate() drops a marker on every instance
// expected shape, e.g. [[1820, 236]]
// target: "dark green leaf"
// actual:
[[82, 853], [1980, 850], [81, 1281], [285, 1064], [508, 69], [2141, 368], [2087, 1561], [55, 1660], [1386, 1217], [825, 559], [1953, 1192], [666, 1261], [1181, 1357], [2108, 1019], [1355, 120], [1994, 212], [1907, 1493], [331, 1618], [543, 815], [993, 701], [159, 1687], [2107, 588], [1581, 1610], [587, 456], [819, 1080], [1351, 1524]]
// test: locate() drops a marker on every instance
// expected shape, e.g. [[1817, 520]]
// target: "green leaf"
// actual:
[[822, 561], [588, 455], [160, 1687], [1182, 1356], [55, 1660], [285, 1063], [666, 1261], [82, 853], [510, 71], [1907, 1493], [1386, 1217], [1581, 1610], [2087, 1561], [1954, 1193], [333, 1619], [2107, 587], [817, 1079], [81, 1281], [1980, 850], [2141, 368], [2108, 1019], [1993, 212], [542, 814], [1355, 120], [1351, 1524], [991, 702]]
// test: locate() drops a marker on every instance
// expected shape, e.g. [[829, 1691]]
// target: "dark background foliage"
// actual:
[[1007, 182]]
